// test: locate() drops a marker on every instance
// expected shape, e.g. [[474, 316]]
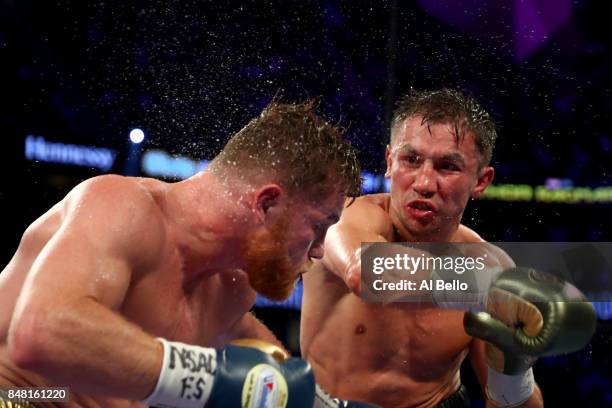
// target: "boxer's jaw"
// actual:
[[270, 270]]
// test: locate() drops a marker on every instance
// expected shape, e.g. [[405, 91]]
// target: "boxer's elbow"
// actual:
[[22, 340], [30, 340]]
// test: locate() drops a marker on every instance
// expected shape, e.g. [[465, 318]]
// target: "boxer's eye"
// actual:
[[450, 166], [411, 159]]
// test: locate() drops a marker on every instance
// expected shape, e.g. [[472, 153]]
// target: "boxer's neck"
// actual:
[[207, 222], [402, 234]]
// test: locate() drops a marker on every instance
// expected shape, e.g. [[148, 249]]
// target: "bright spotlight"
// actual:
[[137, 135]]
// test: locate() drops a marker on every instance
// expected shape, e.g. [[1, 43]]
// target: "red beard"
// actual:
[[268, 265]]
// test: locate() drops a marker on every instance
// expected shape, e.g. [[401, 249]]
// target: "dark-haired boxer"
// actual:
[[129, 289], [409, 354]]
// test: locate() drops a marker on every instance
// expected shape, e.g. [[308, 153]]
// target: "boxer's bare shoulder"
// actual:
[[103, 199], [79, 220], [466, 234], [375, 201], [126, 209], [369, 213], [496, 255]]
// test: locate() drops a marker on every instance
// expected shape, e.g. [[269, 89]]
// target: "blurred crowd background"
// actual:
[[77, 77]]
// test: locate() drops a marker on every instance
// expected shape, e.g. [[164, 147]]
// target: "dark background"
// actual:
[[191, 73]]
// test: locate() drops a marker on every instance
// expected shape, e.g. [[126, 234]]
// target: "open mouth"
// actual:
[[421, 209], [422, 205]]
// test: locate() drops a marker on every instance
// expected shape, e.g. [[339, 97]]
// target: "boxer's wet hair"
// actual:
[[450, 106], [298, 147]]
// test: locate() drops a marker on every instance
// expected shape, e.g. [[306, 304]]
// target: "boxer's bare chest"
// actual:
[[382, 353], [421, 342]]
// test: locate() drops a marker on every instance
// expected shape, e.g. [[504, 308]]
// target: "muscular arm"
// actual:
[[65, 327], [362, 221], [366, 221]]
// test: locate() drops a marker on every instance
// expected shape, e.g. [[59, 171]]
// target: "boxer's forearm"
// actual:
[[87, 347], [417, 275], [428, 281]]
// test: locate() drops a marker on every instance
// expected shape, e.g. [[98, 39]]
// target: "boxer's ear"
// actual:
[[485, 178], [265, 199], [389, 161]]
